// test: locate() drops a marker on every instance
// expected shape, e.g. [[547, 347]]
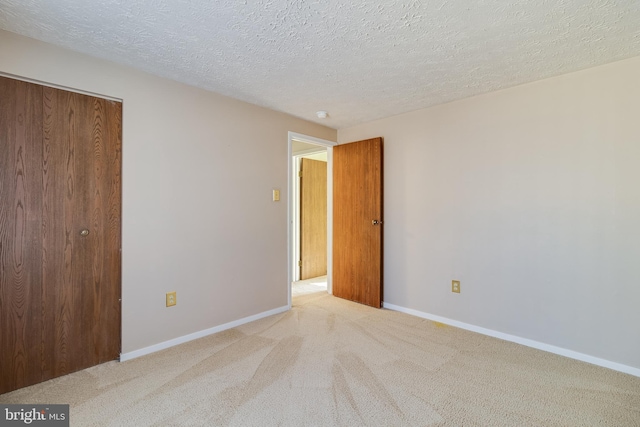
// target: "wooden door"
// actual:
[[357, 221], [313, 218], [60, 169]]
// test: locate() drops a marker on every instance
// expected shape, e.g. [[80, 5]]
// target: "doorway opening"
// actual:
[[309, 253]]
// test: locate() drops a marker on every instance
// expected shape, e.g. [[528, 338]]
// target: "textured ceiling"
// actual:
[[360, 61]]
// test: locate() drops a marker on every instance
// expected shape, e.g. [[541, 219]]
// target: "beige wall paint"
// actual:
[[198, 171], [297, 146], [322, 157], [317, 152], [531, 197]]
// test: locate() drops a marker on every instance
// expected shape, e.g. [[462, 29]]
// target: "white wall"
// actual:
[[198, 170], [531, 197]]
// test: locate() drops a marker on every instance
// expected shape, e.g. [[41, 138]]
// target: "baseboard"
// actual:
[[519, 340], [194, 336]]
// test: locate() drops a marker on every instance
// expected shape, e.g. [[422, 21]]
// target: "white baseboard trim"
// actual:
[[519, 340], [194, 336]]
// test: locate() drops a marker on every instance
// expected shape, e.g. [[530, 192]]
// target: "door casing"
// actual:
[[291, 167]]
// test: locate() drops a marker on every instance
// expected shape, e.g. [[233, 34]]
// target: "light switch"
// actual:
[[276, 195]]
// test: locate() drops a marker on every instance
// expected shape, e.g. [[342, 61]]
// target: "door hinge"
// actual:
[[300, 263], [300, 174]]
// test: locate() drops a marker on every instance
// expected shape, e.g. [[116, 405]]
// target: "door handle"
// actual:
[[84, 232], [376, 222]]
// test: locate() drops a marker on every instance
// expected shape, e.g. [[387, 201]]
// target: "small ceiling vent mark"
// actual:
[[322, 114]]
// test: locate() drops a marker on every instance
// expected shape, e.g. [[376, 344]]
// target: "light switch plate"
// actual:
[[276, 195]]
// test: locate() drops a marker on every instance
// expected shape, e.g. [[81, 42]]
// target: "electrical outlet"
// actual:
[[455, 286], [171, 299]]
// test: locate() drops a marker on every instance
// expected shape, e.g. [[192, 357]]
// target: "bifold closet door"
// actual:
[[60, 213]]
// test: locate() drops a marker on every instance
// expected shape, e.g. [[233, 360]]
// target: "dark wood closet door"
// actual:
[[64, 305], [21, 304]]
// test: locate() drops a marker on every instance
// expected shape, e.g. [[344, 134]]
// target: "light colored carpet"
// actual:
[[309, 286], [332, 362]]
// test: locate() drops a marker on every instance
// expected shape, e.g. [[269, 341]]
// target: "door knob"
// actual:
[[376, 222], [84, 232]]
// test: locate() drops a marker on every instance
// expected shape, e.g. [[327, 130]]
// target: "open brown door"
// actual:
[[313, 218], [357, 221], [60, 210]]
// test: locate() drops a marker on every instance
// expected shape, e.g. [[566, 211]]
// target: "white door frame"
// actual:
[[291, 186]]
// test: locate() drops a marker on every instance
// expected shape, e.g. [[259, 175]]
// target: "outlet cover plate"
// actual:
[[455, 286], [171, 299]]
